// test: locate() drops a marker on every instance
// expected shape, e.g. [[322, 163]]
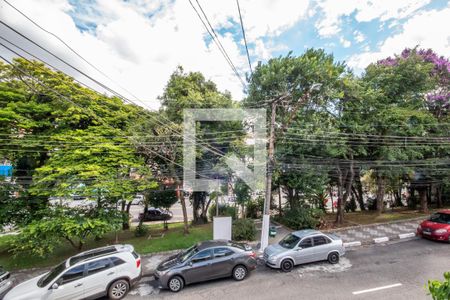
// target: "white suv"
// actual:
[[103, 271]]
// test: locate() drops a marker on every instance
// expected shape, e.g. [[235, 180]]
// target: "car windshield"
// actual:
[[440, 218], [183, 256], [47, 278], [289, 241]]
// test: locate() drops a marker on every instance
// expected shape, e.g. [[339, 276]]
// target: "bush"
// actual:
[[301, 218], [141, 230], [244, 230], [440, 290], [255, 208], [224, 210]]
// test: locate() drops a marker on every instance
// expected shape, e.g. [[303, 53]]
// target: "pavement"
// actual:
[[378, 233], [395, 270]]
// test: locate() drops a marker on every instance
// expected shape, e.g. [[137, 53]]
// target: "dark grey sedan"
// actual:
[[205, 261]]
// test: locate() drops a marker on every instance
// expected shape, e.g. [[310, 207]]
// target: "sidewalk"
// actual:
[[362, 234], [377, 233]]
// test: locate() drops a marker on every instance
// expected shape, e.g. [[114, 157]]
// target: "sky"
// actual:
[[138, 44]]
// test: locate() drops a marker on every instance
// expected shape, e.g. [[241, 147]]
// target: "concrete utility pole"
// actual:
[[271, 162], [270, 165]]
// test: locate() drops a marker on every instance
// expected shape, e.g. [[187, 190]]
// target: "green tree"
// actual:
[[163, 199], [193, 91]]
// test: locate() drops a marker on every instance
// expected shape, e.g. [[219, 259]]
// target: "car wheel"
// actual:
[[287, 265], [118, 289], [333, 258], [175, 284], [239, 273]]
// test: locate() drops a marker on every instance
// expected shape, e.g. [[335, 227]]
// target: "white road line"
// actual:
[[377, 289]]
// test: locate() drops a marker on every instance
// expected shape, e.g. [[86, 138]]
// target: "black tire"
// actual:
[[175, 284], [118, 289], [287, 265], [240, 272], [333, 258]]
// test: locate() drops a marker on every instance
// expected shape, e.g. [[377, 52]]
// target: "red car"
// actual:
[[437, 227]]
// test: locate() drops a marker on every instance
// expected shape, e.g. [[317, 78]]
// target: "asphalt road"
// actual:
[[400, 268]]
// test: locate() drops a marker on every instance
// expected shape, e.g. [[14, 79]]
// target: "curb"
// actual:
[[380, 240]]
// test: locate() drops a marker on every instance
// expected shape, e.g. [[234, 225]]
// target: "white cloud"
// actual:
[[365, 10], [359, 36], [139, 43], [418, 30], [345, 43]]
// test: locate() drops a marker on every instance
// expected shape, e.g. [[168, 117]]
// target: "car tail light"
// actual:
[[138, 263], [253, 254]]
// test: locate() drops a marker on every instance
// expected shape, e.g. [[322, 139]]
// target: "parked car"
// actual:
[[155, 214], [304, 246], [103, 271], [5, 282], [138, 200], [437, 227], [205, 261]]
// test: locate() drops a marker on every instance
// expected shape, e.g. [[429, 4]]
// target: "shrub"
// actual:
[[244, 230], [224, 210], [255, 208], [141, 230], [301, 218], [440, 290]]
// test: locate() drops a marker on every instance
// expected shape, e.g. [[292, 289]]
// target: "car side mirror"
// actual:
[[190, 264], [55, 286], [299, 248]]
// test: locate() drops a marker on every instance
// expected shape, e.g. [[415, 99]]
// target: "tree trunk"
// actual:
[[380, 193], [198, 204], [183, 207], [126, 223], [339, 208], [359, 190], [423, 200], [331, 198], [280, 212], [439, 196], [290, 197], [398, 197], [349, 182]]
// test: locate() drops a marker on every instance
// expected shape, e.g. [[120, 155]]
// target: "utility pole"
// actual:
[[271, 162], [270, 165]]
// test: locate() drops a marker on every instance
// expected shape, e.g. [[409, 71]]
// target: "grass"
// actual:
[[173, 239], [371, 217]]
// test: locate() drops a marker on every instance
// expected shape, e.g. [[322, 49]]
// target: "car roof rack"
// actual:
[[99, 252]]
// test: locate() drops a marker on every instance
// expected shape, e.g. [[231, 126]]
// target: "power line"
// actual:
[[208, 148], [123, 98], [245, 39], [95, 115], [216, 40], [70, 48]]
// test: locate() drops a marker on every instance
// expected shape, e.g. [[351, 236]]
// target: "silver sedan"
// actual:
[[304, 246]]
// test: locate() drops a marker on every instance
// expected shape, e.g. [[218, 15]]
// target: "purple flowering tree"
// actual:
[[438, 99]]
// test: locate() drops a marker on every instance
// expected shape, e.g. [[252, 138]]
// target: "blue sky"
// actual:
[[139, 43]]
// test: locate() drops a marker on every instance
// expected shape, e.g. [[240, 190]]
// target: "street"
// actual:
[[176, 210], [392, 271]]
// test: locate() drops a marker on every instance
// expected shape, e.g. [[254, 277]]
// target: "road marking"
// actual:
[[377, 289]]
